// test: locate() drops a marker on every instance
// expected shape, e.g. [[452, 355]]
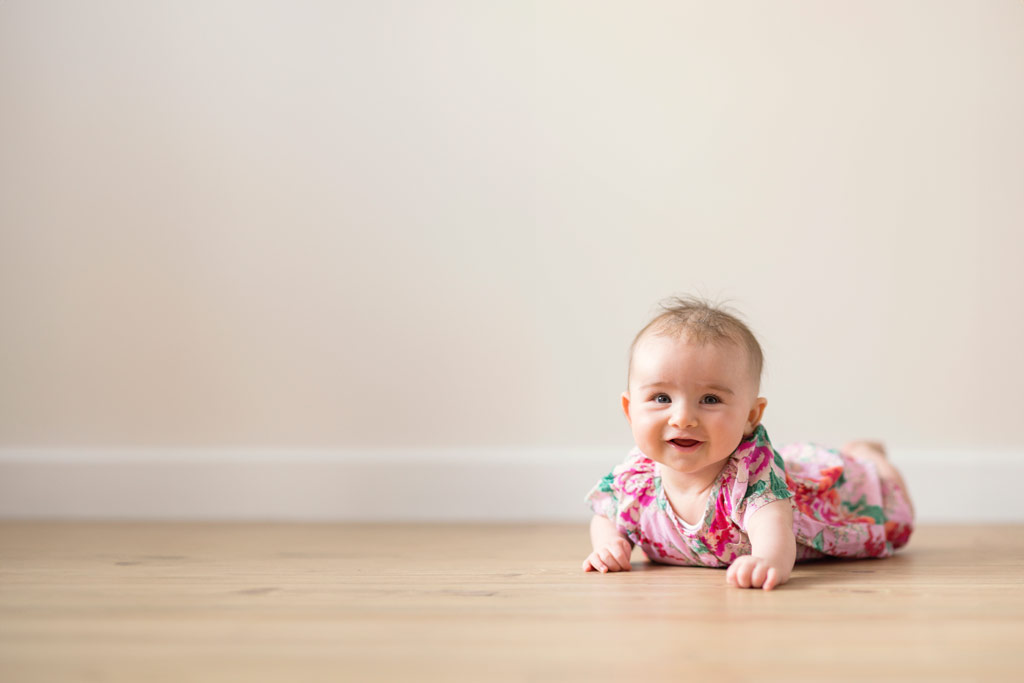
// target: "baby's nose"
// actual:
[[682, 415]]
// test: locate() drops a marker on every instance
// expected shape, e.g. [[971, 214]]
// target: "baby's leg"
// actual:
[[875, 452]]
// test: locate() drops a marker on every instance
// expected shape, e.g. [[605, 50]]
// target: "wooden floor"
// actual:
[[336, 602]]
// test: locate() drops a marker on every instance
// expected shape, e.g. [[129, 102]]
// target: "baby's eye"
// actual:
[[711, 399], [658, 398]]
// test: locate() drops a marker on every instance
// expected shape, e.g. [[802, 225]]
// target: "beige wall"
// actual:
[[439, 224]]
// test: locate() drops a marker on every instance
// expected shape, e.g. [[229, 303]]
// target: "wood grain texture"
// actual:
[[463, 602]]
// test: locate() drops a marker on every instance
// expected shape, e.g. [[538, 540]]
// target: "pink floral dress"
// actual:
[[841, 507]]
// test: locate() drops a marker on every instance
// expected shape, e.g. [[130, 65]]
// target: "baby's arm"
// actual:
[[772, 549], [611, 549]]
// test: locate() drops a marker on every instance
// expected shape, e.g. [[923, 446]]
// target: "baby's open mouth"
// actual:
[[686, 443]]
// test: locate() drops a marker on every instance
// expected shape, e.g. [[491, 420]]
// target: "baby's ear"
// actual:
[[625, 406], [755, 415]]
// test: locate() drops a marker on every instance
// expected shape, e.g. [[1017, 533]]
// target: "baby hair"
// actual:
[[702, 322]]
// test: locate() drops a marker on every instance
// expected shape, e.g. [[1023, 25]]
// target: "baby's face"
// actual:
[[680, 391]]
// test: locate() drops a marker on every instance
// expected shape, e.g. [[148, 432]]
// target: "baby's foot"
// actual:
[[869, 450]]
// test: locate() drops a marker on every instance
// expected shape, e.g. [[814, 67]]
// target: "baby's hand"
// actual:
[[611, 557], [754, 572]]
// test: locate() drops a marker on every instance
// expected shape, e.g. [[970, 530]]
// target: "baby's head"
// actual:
[[702, 323], [693, 384]]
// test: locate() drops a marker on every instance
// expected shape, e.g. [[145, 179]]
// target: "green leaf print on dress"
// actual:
[[659, 497], [754, 489], [862, 509], [778, 486]]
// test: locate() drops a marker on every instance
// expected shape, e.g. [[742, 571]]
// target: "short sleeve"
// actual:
[[624, 493], [760, 478]]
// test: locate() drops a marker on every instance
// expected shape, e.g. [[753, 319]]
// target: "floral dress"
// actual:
[[841, 506]]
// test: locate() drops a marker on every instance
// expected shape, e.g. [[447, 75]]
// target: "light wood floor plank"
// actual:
[[329, 602]]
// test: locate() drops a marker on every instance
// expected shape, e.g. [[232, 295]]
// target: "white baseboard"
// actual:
[[504, 484]]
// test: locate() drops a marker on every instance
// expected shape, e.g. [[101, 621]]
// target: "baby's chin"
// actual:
[[691, 460]]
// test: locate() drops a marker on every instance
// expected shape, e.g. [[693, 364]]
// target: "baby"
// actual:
[[704, 485]]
